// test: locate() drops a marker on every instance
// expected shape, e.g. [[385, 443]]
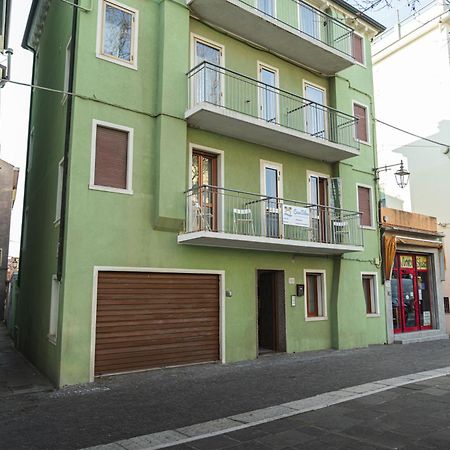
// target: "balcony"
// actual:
[[231, 104], [218, 217], [291, 28]]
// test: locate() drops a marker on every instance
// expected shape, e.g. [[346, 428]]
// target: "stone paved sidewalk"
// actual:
[[414, 416], [17, 375]]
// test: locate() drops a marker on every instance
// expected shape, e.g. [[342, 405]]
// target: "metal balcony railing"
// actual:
[[209, 83], [215, 209], [308, 20]]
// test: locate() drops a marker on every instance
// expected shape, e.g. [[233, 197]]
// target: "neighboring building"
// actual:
[[417, 53], [8, 187], [414, 267], [197, 199]]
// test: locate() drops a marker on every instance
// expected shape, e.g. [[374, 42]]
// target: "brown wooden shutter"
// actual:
[[358, 52], [360, 113], [364, 206], [147, 320], [111, 158]]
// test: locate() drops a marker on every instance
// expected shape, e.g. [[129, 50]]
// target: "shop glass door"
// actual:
[[411, 299]]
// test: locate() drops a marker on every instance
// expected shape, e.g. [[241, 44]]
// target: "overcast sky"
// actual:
[[14, 100]]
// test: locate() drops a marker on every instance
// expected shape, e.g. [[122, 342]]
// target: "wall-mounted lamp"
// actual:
[[401, 175]]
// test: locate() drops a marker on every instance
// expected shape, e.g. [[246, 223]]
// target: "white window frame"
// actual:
[[133, 64], [310, 174], [364, 63], [198, 38], [374, 293], [368, 119], [325, 105], [275, 70], [67, 71], [54, 310], [371, 200], [130, 131], [59, 192], [275, 9], [323, 299]]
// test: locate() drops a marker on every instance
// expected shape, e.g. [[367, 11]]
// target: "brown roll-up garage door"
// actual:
[[147, 320]]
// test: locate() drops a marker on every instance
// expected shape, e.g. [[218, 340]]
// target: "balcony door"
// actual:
[[315, 117], [268, 96], [309, 20], [204, 191], [266, 6], [208, 80], [318, 196], [272, 191]]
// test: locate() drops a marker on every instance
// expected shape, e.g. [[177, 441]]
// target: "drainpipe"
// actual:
[[62, 224]]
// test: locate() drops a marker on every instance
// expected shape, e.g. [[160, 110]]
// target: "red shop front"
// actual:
[[411, 295]]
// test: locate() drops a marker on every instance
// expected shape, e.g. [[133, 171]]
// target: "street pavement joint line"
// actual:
[[168, 438]]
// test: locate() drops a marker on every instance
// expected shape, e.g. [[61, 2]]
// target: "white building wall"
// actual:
[[412, 91]]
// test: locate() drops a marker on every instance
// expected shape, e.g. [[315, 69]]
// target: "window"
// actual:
[[67, 71], [365, 205], [446, 305], [361, 127], [369, 285], [54, 310], [117, 33], [358, 48], [59, 191], [111, 157], [1, 257], [315, 296]]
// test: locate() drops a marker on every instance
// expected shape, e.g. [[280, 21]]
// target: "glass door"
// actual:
[[315, 119], [272, 203], [204, 191], [411, 297], [319, 196], [268, 98], [309, 21], [208, 79]]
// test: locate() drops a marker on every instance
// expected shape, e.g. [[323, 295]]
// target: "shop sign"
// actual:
[[296, 216]]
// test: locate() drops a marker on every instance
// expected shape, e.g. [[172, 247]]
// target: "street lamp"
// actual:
[[401, 175]]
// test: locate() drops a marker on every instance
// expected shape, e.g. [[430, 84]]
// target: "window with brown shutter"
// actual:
[[358, 48], [111, 158], [368, 284], [361, 132], [364, 206]]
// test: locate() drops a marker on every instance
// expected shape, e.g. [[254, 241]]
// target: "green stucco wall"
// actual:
[[140, 230]]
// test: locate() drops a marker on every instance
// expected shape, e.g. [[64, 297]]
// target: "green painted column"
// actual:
[[171, 128]]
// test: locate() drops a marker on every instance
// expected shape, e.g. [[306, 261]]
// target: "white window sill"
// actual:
[[366, 227], [123, 63], [373, 316], [315, 319], [110, 189]]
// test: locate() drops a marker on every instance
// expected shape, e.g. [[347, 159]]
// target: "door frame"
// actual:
[[263, 164], [199, 38], [275, 70], [280, 315], [97, 269]]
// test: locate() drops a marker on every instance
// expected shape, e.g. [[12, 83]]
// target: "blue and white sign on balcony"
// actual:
[[296, 215]]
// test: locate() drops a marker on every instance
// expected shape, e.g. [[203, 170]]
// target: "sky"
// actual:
[[14, 100]]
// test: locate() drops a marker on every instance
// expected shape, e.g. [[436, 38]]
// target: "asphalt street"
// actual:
[[125, 406]]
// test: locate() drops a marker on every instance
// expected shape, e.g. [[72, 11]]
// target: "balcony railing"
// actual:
[[227, 211], [307, 20], [224, 88]]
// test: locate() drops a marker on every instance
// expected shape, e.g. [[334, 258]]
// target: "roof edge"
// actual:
[[359, 14]]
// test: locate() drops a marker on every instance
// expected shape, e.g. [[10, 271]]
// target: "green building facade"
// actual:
[[199, 189]]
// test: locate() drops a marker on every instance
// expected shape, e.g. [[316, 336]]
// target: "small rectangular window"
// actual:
[[365, 205], [111, 158], [315, 295], [361, 127], [446, 305], [54, 310], [59, 191], [370, 297], [118, 33], [358, 48]]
